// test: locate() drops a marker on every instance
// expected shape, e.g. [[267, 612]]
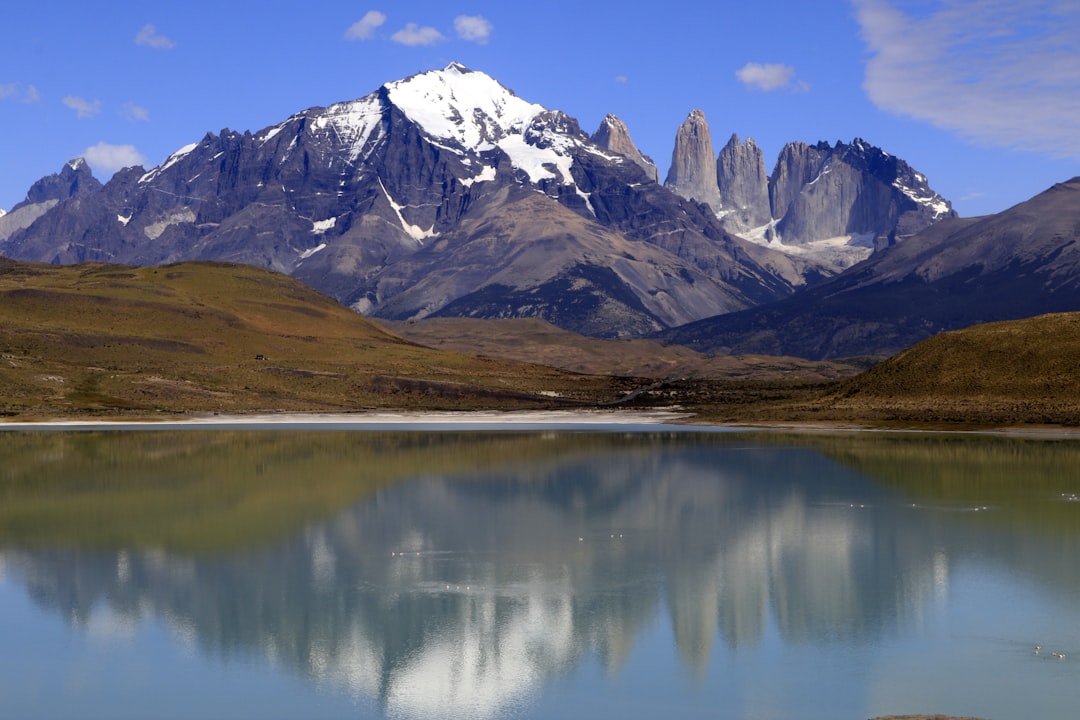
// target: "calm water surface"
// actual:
[[323, 574]]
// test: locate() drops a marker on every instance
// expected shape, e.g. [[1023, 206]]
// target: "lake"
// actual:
[[625, 572]]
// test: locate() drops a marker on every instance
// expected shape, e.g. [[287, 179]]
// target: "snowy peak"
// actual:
[[467, 107]]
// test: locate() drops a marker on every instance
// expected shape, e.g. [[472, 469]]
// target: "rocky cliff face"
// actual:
[[443, 193], [855, 196], [854, 190], [743, 184], [693, 165], [74, 179], [613, 135]]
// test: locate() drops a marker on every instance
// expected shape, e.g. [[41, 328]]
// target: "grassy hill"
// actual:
[[1014, 371], [215, 337]]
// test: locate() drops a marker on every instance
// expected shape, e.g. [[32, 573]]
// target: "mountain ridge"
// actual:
[[423, 198], [959, 272]]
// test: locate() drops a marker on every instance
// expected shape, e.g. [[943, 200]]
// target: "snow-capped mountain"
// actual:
[[443, 193]]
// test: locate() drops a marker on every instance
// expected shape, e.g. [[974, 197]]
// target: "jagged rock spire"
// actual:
[[693, 164], [613, 135], [744, 184]]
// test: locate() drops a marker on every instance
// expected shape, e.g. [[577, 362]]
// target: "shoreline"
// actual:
[[583, 419], [404, 419]]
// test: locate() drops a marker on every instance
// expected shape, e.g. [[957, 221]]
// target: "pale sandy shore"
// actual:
[[623, 420], [373, 420]]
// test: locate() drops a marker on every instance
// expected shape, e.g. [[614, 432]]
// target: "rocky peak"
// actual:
[[73, 179], [614, 136], [854, 189], [743, 184], [797, 165], [693, 163]]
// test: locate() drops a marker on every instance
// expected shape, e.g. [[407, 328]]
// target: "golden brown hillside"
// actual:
[[1018, 371], [215, 337]]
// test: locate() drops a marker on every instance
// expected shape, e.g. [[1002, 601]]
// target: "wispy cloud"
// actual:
[[14, 91], [998, 72], [83, 108], [150, 37], [107, 159], [767, 77], [364, 28], [412, 34], [131, 111], [473, 28], [622, 79]]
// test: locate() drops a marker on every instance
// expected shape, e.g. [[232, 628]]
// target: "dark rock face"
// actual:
[[613, 135], [693, 165], [1019, 263], [74, 179], [743, 184], [439, 193]]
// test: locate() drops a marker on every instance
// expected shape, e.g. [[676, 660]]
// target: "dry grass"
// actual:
[[213, 337]]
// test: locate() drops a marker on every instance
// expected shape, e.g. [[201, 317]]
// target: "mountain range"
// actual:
[[446, 195]]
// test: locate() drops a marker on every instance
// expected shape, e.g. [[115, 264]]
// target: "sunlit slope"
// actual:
[[224, 337], [1020, 370]]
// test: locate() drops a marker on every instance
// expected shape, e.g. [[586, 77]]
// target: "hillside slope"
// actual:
[[204, 337], [1012, 371]]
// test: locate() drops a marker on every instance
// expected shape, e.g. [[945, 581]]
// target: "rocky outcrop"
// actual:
[[815, 192], [613, 135], [693, 165], [850, 190], [73, 180], [743, 184]]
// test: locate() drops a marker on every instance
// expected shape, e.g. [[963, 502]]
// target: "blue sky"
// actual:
[[982, 96]]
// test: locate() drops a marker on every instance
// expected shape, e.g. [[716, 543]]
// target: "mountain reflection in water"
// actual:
[[437, 586]]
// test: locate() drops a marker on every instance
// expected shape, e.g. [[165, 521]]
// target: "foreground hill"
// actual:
[[1019, 263], [96, 338], [1010, 373], [1013, 371]]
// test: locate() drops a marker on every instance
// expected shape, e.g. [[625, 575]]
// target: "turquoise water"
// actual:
[[536, 575]]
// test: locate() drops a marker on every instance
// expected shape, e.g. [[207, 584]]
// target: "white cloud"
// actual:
[[997, 72], [150, 37], [365, 27], [135, 112], [473, 28], [83, 108], [107, 159], [412, 35], [622, 79], [768, 77], [12, 91]]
